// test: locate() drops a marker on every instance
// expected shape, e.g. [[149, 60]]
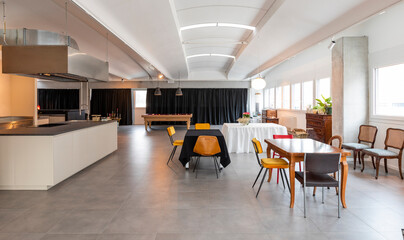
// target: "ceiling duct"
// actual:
[[48, 55]]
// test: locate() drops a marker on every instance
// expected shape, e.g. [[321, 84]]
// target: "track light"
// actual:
[[160, 76], [332, 44]]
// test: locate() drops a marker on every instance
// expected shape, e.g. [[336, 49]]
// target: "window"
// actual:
[[307, 97], [286, 97], [323, 88], [140, 98], [389, 95], [272, 98], [279, 97], [296, 96], [266, 98]]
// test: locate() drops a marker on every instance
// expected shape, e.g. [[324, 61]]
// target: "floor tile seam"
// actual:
[[115, 214]]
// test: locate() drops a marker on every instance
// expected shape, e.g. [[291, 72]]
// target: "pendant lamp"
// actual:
[[178, 93]]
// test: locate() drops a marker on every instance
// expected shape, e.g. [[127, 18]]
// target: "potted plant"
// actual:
[[324, 106], [245, 120]]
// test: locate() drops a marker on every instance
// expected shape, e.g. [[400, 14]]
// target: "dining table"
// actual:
[[295, 149], [238, 136]]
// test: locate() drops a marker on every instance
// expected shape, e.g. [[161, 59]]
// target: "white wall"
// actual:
[[386, 47]]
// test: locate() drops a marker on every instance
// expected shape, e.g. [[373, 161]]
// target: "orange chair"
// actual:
[[269, 163], [176, 143], [202, 126], [207, 146]]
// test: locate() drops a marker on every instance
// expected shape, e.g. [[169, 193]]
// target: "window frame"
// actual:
[[283, 95], [292, 93], [372, 98]]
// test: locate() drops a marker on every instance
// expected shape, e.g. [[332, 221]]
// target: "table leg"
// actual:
[[188, 124], [270, 175], [150, 124], [145, 125], [292, 181], [187, 165], [344, 178]]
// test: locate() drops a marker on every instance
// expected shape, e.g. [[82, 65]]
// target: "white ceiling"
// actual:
[[152, 29]]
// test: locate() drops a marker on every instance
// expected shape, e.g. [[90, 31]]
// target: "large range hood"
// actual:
[[48, 55]]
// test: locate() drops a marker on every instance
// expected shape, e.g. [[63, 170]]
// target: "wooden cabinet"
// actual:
[[319, 127], [270, 116]]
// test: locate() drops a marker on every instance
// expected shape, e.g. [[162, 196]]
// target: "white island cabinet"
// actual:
[[42, 158]]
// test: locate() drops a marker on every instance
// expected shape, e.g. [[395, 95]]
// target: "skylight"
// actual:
[[210, 55], [202, 25]]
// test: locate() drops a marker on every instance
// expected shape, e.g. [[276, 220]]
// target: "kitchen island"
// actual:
[[37, 158]]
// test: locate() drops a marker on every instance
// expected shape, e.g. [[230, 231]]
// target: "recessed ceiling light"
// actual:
[[210, 55], [160, 76], [382, 12], [202, 25], [234, 25]]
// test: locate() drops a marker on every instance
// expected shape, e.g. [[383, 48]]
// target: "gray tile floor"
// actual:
[[133, 194]]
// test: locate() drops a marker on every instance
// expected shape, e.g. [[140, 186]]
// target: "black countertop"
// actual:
[[51, 131]]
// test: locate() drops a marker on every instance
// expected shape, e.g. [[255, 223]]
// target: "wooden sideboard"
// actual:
[[319, 127], [270, 116]]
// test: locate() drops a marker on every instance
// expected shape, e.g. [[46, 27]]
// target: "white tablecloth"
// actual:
[[238, 137]]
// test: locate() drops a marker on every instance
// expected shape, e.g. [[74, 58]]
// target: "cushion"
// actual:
[[178, 142], [316, 180], [355, 146], [380, 152], [274, 163]]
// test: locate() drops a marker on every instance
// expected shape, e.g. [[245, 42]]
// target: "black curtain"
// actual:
[[59, 98], [105, 101], [214, 106]]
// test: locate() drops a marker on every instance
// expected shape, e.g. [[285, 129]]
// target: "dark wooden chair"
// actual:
[[395, 140], [367, 134], [338, 138], [317, 167]]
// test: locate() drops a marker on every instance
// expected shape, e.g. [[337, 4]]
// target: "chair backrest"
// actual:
[[202, 126], [367, 133], [321, 163], [394, 138], [335, 137], [290, 136], [171, 132], [257, 149], [207, 146]]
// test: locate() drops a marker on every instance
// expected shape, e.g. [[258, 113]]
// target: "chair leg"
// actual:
[[196, 163], [336, 188], [363, 162], [377, 167], [286, 178], [277, 176], [283, 182], [339, 210], [314, 191], [257, 177], [259, 189], [359, 157], [385, 165], [322, 195], [399, 167], [373, 162], [172, 154], [304, 199], [354, 160], [300, 166]]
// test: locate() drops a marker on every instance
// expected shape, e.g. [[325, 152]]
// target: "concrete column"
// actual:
[[349, 86]]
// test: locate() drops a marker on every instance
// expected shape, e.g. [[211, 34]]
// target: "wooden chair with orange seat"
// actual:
[[207, 146], [202, 126], [269, 163], [338, 138], [174, 143]]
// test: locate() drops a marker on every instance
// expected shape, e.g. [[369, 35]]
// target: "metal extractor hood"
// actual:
[[48, 55]]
